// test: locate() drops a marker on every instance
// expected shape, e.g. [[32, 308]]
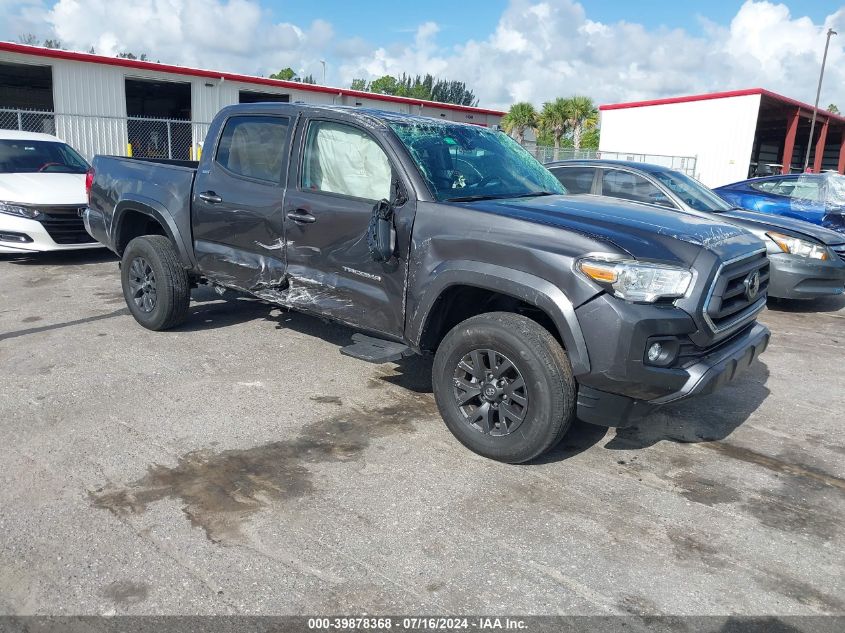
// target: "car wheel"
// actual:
[[504, 386], [155, 285]]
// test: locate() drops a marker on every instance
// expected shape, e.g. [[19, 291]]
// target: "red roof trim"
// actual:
[[722, 95], [211, 74]]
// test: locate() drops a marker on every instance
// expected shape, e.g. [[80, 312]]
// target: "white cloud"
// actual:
[[539, 49]]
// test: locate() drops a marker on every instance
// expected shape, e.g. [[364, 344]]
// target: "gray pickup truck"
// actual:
[[428, 236]]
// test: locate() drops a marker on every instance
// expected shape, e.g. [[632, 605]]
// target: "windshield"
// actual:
[[464, 162], [692, 192], [21, 156]]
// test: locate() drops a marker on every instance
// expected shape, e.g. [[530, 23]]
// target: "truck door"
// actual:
[[341, 172], [237, 203]]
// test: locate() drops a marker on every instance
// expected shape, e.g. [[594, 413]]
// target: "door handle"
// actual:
[[301, 216], [211, 197]]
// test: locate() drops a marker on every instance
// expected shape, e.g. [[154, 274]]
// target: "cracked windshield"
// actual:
[[463, 163]]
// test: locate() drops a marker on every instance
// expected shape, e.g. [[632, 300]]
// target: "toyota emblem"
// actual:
[[752, 285]]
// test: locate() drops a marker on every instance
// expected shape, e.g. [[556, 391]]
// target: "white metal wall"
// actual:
[[88, 88], [719, 132]]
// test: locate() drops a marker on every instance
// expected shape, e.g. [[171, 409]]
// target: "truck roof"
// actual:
[[356, 111]]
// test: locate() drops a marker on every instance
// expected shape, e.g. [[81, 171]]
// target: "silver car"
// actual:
[[807, 261]]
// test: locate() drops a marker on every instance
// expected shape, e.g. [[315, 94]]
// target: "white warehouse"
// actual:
[[733, 135], [109, 105]]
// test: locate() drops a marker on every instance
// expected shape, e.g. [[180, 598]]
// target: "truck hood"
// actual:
[[644, 231], [768, 222], [43, 188]]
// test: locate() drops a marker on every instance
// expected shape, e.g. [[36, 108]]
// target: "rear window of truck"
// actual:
[[254, 146]]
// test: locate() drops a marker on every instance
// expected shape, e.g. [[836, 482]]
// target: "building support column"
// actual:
[[841, 168], [817, 162], [789, 144]]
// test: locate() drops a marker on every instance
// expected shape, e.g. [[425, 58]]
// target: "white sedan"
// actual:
[[42, 194]]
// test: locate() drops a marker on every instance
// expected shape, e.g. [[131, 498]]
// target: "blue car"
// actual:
[[816, 198]]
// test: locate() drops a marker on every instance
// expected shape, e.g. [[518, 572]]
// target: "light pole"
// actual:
[[323, 62], [830, 32]]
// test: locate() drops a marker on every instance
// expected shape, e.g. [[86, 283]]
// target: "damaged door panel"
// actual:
[[237, 204], [339, 177]]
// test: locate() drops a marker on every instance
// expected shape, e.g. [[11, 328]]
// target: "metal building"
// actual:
[[108, 105], [733, 135]]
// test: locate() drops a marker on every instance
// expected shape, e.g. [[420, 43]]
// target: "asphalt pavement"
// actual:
[[240, 465]]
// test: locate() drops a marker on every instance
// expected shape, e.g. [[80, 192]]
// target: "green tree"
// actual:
[[129, 55], [425, 87], [307, 79], [590, 139], [582, 115], [386, 85], [520, 117], [833, 109], [285, 74], [554, 119]]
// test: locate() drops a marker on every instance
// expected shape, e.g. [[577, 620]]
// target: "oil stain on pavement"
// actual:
[[220, 490]]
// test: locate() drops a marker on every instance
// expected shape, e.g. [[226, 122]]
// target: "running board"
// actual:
[[375, 350]]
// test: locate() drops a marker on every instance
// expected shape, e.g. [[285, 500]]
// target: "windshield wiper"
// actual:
[[533, 194], [501, 196]]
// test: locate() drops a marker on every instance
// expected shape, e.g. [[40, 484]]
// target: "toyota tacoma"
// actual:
[[428, 236]]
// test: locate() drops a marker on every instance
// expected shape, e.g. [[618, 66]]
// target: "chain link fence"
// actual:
[[182, 140], [547, 154], [117, 136]]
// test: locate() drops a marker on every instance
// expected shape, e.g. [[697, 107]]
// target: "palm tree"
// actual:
[[582, 115], [521, 116], [554, 118]]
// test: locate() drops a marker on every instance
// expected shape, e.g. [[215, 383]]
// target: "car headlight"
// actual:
[[802, 248], [637, 281], [15, 209]]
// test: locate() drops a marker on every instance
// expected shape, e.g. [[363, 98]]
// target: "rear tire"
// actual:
[[155, 285], [504, 386]]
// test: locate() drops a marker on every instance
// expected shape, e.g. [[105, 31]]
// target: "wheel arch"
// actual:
[[451, 280], [126, 225]]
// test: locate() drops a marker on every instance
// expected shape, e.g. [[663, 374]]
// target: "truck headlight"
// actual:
[[15, 209], [637, 281], [802, 248]]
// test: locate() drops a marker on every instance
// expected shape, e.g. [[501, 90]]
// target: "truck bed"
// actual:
[[159, 187]]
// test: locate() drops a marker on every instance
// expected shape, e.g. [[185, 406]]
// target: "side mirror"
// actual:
[[381, 234]]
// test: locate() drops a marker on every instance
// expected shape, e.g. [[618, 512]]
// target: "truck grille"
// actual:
[[64, 224], [732, 299], [839, 249]]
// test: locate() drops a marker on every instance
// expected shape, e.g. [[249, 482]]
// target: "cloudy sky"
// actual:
[[506, 51]]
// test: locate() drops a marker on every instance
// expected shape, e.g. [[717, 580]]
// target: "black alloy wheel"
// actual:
[[490, 392]]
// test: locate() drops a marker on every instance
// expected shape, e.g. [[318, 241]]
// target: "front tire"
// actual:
[[155, 285], [504, 386]]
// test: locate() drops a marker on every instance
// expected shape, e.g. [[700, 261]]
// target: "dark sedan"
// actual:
[[808, 261], [815, 198]]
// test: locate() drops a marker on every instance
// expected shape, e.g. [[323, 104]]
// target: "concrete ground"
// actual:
[[240, 464]]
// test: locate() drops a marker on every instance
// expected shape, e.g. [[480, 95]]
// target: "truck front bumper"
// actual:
[[622, 386], [705, 376]]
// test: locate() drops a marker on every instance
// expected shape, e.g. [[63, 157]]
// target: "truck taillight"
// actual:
[[89, 180]]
